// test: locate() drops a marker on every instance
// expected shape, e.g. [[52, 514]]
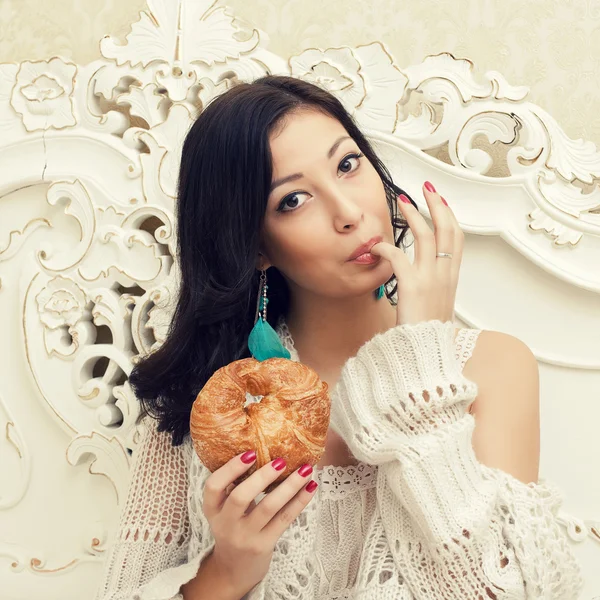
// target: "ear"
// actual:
[[262, 262]]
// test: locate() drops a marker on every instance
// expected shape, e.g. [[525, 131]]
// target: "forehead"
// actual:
[[303, 135]]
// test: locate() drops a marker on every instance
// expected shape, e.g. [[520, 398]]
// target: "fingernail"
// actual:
[[404, 199], [278, 464], [430, 187], [305, 470], [248, 457], [443, 200], [311, 486]]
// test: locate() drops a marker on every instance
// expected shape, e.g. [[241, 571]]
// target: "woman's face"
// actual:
[[325, 201]]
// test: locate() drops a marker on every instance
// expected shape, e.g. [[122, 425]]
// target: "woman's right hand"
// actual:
[[245, 532], [427, 286]]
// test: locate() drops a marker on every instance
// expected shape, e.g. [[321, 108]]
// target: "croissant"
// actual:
[[277, 407]]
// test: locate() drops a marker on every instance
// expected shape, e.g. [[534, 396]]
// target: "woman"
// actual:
[[415, 501]]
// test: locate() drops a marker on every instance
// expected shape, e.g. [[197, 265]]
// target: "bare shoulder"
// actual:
[[502, 354], [507, 404], [502, 365]]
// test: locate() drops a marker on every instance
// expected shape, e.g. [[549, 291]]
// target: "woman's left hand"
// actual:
[[427, 287]]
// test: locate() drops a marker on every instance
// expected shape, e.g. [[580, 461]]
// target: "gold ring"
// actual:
[[444, 255]]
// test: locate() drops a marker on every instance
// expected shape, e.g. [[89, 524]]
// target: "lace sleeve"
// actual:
[[456, 528], [153, 536]]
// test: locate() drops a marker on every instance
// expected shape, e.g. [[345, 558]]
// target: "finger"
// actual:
[[252, 504], [448, 229], [288, 510], [238, 501], [397, 258], [270, 507], [424, 238], [459, 242], [219, 484], [444, 227]]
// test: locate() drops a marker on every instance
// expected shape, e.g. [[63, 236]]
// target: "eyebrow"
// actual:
[[295, 176]]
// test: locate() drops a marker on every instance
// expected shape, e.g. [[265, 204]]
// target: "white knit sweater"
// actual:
[[418, 518]]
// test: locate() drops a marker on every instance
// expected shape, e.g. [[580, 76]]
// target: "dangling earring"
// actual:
[[263, 341], [380, 291]]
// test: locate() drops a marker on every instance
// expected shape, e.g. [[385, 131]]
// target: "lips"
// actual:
[[366, 247]]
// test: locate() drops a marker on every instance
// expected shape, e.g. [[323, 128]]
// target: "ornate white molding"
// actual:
[[89, 273], [12, 490]]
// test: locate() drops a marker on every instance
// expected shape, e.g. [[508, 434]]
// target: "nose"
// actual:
[[347, 214]]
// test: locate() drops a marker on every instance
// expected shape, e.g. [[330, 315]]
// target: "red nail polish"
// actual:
[[248, 457], [311, 486], [278, 464], [404, 199], [444, 201], [305, 470], [430, 187]]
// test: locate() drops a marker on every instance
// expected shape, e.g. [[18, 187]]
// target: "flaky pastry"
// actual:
[[277, 407]]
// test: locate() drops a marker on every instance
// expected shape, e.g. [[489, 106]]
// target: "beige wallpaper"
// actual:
[[552, 46]]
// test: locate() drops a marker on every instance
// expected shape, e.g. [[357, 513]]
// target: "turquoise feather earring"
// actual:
[[380, 291], [263, 341]]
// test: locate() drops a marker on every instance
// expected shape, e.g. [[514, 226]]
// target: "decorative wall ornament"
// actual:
[[42, 94], [88, 168]]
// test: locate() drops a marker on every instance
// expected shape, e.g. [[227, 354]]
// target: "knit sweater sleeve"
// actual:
[[456, 528], [157, 547]]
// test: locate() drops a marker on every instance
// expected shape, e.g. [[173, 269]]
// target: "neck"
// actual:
[[328, 331]]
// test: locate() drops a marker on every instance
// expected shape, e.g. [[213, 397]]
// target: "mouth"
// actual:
[[365, 248]]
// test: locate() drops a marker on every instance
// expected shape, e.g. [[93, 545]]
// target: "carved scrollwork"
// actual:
[[22, 560], [541, 155], [100, 144], [42, 94], [14, 487]]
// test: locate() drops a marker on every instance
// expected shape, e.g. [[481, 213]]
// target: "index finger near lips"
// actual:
[[398, 259]]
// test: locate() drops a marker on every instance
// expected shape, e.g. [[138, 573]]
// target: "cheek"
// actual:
[[301, 244], [296, 239], [303, 255], [374, 191]]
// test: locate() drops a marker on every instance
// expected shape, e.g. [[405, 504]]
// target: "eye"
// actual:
[[346, 161], [293, 196], [290, 198]]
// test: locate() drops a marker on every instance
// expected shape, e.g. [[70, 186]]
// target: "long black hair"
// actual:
[[224, 179]]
